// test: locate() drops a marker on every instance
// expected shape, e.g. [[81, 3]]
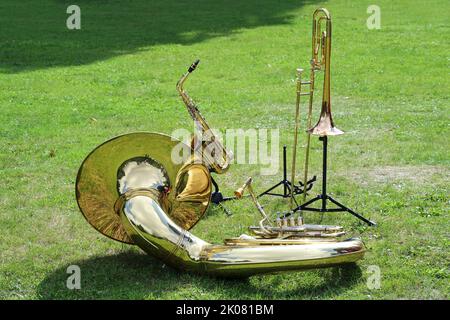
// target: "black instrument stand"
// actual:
[[324, 196], [287, 189], [217, 196]]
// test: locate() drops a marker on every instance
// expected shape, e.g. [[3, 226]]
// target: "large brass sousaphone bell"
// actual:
[[131, 190], [129, 162]]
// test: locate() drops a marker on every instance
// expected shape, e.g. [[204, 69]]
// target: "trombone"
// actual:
[[320, 61]]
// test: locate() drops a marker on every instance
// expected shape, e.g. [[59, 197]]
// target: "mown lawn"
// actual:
[[62, 92]]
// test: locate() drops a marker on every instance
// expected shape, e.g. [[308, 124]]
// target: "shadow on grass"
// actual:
[[132, 275], [34, 33]]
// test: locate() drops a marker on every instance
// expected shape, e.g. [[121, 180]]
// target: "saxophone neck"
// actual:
[[183, 94], [183, 78], [187, 100]]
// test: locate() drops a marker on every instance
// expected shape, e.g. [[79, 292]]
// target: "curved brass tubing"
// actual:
[[151, 228]]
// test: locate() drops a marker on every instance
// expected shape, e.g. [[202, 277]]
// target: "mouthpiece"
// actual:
[[193, 66], [240, 192]]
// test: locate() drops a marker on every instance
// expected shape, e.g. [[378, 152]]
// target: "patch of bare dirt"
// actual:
[[389, 174]]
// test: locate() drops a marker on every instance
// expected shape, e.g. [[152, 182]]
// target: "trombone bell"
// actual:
[[325, 126]]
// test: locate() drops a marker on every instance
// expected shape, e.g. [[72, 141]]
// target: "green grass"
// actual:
[[390, 90]]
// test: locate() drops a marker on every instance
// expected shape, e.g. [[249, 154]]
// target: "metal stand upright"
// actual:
[[287, 185], [324, 196], [217, 196]]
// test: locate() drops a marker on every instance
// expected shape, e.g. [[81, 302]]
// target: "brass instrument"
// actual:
[[322, 40], [321, 54], [296, 128], [130, 189], [216, 156], [240, 192], [286, 227], [320, 61]]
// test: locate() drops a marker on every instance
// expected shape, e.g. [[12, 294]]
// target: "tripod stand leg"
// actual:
[[225, 209], [271, 188], [287, 188], [306, 204], [357, 215]]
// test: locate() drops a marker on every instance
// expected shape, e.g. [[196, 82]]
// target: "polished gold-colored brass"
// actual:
[[150, 227], [320, 61], [130, 189], [321, 42], [214, 154], [147, 219], [239, 193], [286, 227], [296, 128], [265, 219], [97, 181]]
